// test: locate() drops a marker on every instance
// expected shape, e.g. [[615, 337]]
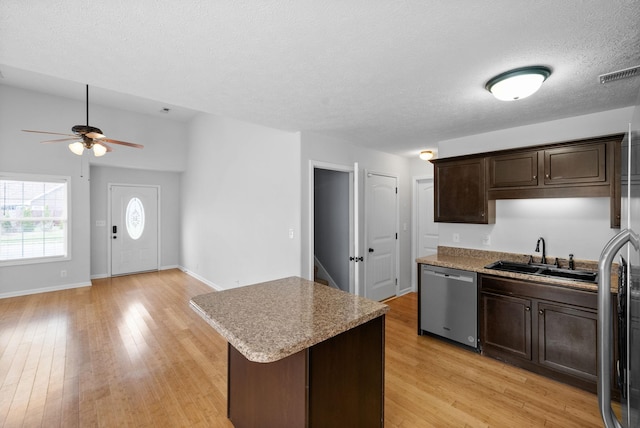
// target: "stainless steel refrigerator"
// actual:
[[619, 313]]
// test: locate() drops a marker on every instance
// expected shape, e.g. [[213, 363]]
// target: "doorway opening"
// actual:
[[332, 225]]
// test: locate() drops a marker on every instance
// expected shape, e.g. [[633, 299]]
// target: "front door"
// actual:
[[134, 229], [382, 236]]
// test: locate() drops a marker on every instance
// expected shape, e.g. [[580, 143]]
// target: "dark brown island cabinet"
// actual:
[[466, 187], [337, 382], [300, 354], [547, 329]]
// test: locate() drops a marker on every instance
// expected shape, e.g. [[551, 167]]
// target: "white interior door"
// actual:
[[381, 219], [134, 229], [427, 229]]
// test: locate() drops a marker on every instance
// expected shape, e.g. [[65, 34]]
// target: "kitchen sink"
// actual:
[[544, 270]]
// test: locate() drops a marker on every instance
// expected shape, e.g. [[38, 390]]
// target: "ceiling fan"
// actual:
[[91, 138]]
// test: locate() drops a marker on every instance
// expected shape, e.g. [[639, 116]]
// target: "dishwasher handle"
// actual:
[[454, 277]]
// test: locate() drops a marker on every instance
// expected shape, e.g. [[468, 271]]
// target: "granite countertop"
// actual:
[[272, 320], [476, 260]]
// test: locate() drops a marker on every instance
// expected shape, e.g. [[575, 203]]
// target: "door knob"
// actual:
[[371, 250]]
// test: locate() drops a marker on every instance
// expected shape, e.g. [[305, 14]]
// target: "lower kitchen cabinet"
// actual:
[[567, 339], [506, 325], [550, 330]]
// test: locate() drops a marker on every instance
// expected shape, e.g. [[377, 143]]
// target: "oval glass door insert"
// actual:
[[135, 218]]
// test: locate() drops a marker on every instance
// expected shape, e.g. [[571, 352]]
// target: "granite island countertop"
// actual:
[[272, 320], [476, 260]]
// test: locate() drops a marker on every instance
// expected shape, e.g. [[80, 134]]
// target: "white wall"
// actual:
[[21, 152], [319, 148], [576, 225], [169, 183], [240, 197], [571, 128]]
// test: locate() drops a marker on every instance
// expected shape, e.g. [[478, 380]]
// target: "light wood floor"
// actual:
[[129, 351]]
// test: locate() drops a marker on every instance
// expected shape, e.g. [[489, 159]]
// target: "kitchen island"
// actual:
[[300, 354]]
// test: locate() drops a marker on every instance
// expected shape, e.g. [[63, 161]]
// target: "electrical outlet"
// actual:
[[486, 240], [290, 233], [456, 237], [63, 273]]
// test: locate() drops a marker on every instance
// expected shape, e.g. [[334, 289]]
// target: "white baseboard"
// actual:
[[105, 275], [201, 279], [44, 290], [404, 291]]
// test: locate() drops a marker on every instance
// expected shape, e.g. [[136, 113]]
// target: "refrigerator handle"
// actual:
[[605, 331]]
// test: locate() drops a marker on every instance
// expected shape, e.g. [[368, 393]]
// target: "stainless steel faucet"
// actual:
[[543, 260]]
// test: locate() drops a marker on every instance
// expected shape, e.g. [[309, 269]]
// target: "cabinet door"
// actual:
[[513, 170], [460, 191], [567, 339], [583, 163], [506, 325]]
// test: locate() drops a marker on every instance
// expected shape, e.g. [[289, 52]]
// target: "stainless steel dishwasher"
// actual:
[[449, 304]]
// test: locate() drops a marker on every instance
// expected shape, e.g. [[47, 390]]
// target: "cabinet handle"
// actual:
[[535, 176], [547, 175], [527, 308], [541, 312]]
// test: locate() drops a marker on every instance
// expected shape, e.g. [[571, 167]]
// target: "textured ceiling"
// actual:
[[396, 76]]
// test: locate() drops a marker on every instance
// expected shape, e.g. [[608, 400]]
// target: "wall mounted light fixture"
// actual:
[[518, 83]]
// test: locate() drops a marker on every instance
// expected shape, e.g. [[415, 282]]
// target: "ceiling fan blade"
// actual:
[[124, 143], [59, 140], [95, 135], [46, 132]]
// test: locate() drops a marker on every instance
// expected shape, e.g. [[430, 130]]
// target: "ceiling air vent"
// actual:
[[620, 74]]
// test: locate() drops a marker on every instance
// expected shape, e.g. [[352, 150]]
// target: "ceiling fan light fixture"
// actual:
[[77, 148], [99, 150], [518, 83], [426, 155]]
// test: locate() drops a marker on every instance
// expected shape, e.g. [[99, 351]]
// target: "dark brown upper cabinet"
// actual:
[[583, 168], [576, 164], [513, 170], [461, 191]]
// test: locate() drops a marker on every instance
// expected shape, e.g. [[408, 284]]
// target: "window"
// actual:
[[33, 218], [135, 218]]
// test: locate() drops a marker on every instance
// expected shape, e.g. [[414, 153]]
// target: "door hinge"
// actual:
[[396, 190], [396, 235], [396, 281]]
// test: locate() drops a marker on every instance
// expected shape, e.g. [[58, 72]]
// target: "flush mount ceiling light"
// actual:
[[426, 155], [517, 84]]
